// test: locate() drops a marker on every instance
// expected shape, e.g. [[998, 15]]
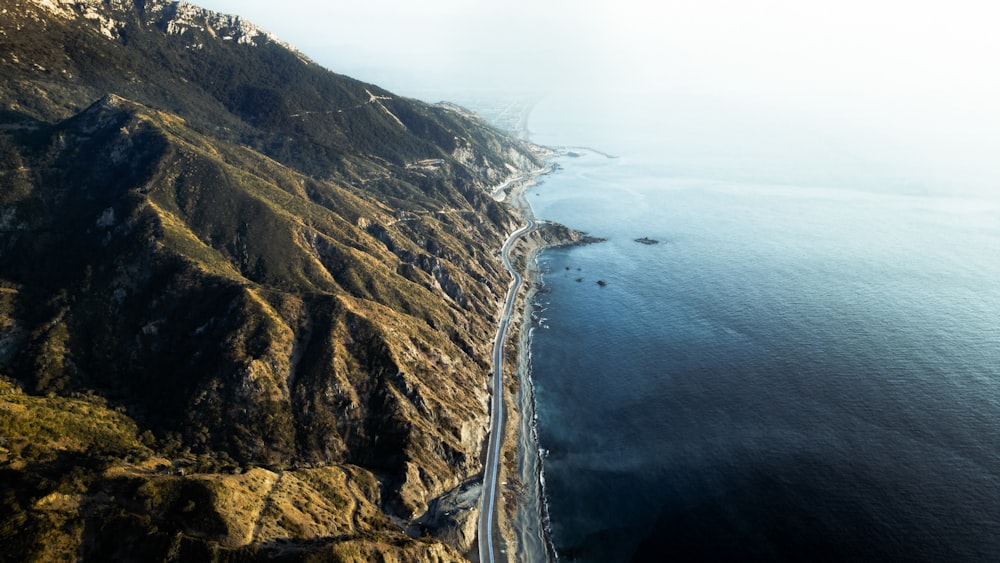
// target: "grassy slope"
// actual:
[[242, 262], [81, 481]]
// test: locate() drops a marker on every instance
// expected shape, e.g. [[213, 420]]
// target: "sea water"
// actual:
[[803, 368]]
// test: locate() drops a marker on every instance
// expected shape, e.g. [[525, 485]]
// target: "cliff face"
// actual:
[[256, 261]]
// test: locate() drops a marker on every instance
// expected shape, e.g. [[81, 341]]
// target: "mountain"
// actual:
[[246, 304]]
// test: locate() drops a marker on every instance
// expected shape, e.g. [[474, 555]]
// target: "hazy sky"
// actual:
[[923, 74], [850, 46]]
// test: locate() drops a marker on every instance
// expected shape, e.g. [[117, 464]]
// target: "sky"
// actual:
[[885, 48], [917, 80]]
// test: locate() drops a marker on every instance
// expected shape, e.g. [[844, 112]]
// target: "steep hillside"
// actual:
[[80, 481], [232, 78], [255, 261]]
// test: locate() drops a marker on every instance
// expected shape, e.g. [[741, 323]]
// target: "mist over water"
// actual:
[[725, 137], [807, 366]]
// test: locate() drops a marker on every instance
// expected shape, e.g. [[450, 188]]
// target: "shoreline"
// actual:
[[531, 521], [522, 515], [501, 488], [529, 524], [524, 520]]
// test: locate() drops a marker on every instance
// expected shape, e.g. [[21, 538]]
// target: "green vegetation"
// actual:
[[80, 481], [235, 323], [52, 450]]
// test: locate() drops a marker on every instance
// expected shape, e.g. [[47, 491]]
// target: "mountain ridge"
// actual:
[[253, 283]]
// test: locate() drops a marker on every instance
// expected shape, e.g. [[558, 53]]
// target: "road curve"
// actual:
[[487, 505]]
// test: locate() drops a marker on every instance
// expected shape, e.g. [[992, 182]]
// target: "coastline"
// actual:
[[531, 520], [523, 520], [526, 529], [520, 522]]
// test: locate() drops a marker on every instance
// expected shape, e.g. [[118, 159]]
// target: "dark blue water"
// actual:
[[793, 373]]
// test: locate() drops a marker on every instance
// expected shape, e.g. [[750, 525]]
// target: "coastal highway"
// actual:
[[487, 504]]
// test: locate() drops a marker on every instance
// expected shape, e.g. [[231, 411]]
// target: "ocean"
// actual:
[[805, 366]]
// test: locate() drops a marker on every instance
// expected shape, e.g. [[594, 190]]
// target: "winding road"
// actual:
[[487, 505]]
